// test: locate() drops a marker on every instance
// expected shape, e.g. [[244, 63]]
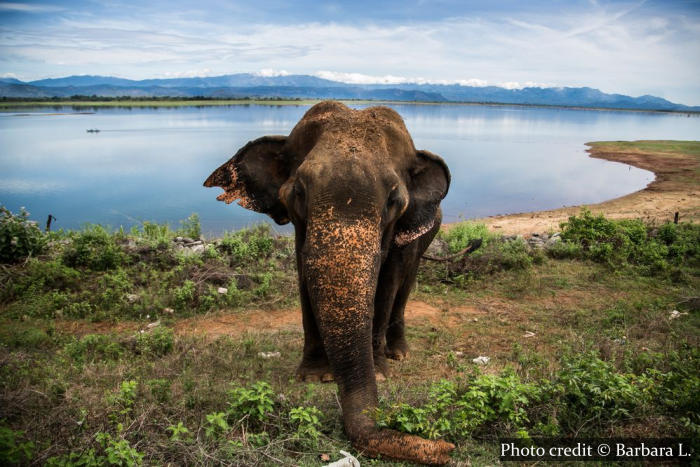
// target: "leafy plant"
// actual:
[[158, 342], [19, 237], [178, 432], [307, 422], [94, 248], [254, 402], [12, 450], [119, 452], [216, 425], [93, 347]]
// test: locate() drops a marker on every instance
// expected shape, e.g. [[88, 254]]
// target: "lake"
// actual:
[[149, 163]]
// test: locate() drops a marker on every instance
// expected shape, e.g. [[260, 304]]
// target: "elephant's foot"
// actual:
[[314, 372], [381, 366], [397, 349]]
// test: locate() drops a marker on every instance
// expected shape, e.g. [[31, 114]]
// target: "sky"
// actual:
[[627, 47]]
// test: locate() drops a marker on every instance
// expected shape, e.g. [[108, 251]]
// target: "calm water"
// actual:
[[149, 164]]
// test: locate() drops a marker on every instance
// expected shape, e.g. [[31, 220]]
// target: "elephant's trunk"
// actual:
[[341, 262]]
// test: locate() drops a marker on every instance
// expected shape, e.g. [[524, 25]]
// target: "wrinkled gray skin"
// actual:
[[365, 205]]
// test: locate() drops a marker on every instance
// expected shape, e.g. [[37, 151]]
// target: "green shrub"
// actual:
[[589, 392], [460, 235], [118, 451], [565, 250], [458, 412], [216, 425], [253, 403], [12, 450], [160, 389], [92, 348], [191, 227], [156, 235], [629, 243], [248, 244], [19, 237], [185, 295], [308, 424], [158, 342], [94, 248]]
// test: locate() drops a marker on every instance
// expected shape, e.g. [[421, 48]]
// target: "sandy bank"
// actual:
[[676, 188]]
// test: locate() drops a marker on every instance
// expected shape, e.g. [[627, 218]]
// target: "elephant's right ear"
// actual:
[[254, 176]]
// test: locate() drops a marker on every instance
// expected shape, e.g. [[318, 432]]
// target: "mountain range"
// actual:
[[306, 86]]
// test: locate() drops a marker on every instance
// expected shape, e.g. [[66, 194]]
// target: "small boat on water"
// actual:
[[93, 130]]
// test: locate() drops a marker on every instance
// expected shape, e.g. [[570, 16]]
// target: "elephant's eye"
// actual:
[[395, 199], [298, 191]]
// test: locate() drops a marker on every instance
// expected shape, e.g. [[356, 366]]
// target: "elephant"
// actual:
[[365, 204]]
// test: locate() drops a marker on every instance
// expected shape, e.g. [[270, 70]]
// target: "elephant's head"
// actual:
[[355, 187]]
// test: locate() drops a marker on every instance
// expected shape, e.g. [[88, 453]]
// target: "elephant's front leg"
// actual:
[[401, 271], [389, 302], [314, 366]]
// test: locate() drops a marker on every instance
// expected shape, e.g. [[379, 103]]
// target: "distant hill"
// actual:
[[305, 86]]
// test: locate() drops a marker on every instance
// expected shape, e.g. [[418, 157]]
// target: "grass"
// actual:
[[80, 382], [650, 146]]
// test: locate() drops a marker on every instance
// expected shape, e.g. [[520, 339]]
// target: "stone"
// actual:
[[153, 325], [132, 298], [222, 290], [169, 311], [179, 239], [481, 360], [528, 334], [199, 248], [269, 354], [676, 314]]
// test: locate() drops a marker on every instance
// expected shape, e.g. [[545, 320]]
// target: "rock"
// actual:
[[198, 248], [132, 298], [169, 311], [187, 240], [222, 290], [481, 360], [153, 325], [458, 353], [536, 242], [348, 461], [552, 240], [179, 240], [269, 354], [528, 334], [676, 314]]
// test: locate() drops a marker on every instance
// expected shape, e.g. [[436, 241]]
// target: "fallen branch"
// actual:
[[473, 245]]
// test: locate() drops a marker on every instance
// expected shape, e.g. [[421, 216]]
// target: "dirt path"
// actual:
[[675, 189], [235, 324]]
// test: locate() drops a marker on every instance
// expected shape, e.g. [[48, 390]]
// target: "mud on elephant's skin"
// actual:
[[365, 205]]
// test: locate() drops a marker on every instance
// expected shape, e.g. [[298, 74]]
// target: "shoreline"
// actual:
[[8, 105], [676, 188]]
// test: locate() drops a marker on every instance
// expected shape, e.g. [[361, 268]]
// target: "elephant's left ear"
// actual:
[[428, 185], [254, 176]]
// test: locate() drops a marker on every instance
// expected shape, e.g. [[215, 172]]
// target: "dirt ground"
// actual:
[[675, 189]]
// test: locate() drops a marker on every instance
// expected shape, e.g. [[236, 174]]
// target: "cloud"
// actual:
[[29, 8], [269, 73], [634, 49]]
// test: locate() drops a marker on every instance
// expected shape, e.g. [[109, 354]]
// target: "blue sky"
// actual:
[[634, 48]]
